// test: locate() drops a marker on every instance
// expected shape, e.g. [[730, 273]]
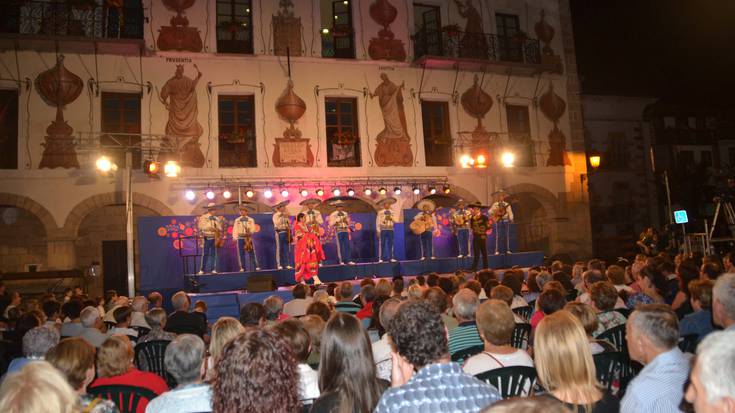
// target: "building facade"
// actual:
[[282, 95]]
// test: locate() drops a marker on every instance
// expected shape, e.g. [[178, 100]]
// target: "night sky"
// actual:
[[665, 48]]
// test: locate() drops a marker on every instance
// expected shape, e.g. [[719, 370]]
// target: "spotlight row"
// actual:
[[268, 193]]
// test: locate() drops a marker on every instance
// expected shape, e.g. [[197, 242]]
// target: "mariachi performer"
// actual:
[[460, 220], [502, 215], [384, 223], [211, 230], [340, 221], [314, 218], [282, 227], [479, 225], [242, 233], [308, 253], [424, 225]]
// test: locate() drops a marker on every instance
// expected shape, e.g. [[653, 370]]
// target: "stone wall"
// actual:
[[22, 240]]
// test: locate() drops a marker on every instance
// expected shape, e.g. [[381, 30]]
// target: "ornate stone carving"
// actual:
[[179, 36], [393, 146], [292, 149], [385, 46], [545, 33], [183, 130], [477, 103], [59, 87], [286, 30], [553, 107]]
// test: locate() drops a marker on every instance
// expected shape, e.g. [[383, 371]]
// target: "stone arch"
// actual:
[[83, 208], [23, 202], [547, 199], [536, 210]]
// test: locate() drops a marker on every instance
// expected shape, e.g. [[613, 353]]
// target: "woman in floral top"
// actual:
[[74, 357]]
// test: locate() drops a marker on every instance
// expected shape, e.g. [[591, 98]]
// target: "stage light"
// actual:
[[351, 192], [189, 195], [446, 189], [226, 194], [304, 192], [397, 190], [336, 192], [268, 193], [325, 31], [481, 161], [171, 169], [508, 159], [382, 190], [416, 190], [249, 193], [151, 168], [368, 191], [464, 161], [284, 193], [319, 192], [104, 164], [209, 194], [432, 190]]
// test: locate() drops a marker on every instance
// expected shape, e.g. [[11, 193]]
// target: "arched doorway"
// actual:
[[532, 223]]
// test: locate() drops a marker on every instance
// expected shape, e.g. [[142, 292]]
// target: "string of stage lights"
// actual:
[[268, 190]]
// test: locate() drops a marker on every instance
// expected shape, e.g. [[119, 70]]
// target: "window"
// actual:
[[8, 129], [616, 153], [437, 134], [509, 45], [692, 122], [237, 131], [121, 126], [234, 26], [428, 29], [343, 138], [337, 31], [519, 135], [669, 122]]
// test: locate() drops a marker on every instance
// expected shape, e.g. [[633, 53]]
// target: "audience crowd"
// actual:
[[653, 335]]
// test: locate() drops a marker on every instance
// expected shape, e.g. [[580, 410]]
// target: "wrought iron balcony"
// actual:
[[93, 19], [477, 46]]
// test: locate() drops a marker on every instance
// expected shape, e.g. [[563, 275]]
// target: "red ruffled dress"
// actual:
[[308, 253]]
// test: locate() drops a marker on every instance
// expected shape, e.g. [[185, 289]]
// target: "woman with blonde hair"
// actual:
[[224, 330], [565, 367], [37, 388]]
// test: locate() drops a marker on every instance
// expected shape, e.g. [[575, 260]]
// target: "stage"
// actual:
[[225, 293], [229, 281]]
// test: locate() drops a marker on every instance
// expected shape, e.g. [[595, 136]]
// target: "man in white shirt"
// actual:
[[297, 307], [384, 223], [340, 221], [502, 215], [140, 307], [242, 232], [92, 322], [723, 302], [428, 218], [712, 385], [210, 228], [282, 227]]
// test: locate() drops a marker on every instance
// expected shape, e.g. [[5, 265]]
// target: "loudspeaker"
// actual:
[[260, 283]]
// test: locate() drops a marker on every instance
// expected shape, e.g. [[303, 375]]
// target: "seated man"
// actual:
[[184, 360], [712, 385], [652, 337], [297, 307], [465, 304], [181, 321], [123, 316], [71, 310], [343, 294], [140, 307], [723, 302], [92, 323], [423, 376], [700, 321]]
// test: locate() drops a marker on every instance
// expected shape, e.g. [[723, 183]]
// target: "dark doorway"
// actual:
[[115, 266]]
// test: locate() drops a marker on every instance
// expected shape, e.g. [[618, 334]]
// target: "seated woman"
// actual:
[[347, 376], [603, 298], [495, 323], [654, 286], [257, 359], [586, 315], [224, 330], [565, 367], [300, 342], [156, 318], [700, 321], [115, 367], [74, 358], [37, 387]]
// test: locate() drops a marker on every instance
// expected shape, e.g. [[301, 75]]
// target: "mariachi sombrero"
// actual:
[[310, 201], [424, 203], [389, 200]]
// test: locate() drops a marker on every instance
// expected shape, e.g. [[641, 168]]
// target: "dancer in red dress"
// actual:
[[308, 253]]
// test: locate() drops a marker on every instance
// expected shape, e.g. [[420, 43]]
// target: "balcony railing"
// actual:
[[480, 46], [73, 18]]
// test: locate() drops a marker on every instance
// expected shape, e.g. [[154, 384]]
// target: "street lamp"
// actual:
[[594, 159]]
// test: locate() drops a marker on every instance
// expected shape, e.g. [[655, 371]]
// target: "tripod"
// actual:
[[726, 206]]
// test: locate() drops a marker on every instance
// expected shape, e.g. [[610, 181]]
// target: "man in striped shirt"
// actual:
[[652, 334], [343, 294], [464, 305]]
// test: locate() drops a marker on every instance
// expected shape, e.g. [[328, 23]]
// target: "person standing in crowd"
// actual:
[[384, 224], [652, 335], [340, 221], [211, 229], [423, 376], [282, 227], [426, 219], [242, 232], [479, 226], [712, 382], [460, 220]]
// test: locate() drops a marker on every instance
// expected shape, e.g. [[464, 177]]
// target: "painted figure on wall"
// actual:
[[179, 97], [394, 144], [473, 44]]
